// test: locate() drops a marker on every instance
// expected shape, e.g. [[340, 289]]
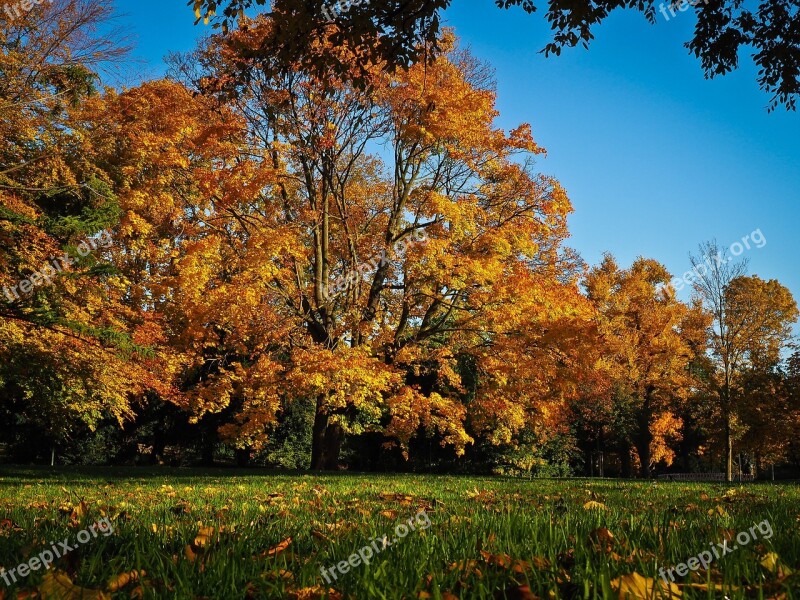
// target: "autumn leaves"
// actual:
[[44, 560], [183, 533], [706, 557], [363, 557]]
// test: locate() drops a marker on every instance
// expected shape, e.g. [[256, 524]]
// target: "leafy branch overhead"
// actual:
[[401, 32]]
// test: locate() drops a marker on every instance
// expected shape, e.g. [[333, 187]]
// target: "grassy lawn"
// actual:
[[246, 534]]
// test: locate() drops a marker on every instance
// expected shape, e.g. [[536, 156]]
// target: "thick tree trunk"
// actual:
[[643, 448], [326, 441], [243, 457], [644, 438], [625, 460]]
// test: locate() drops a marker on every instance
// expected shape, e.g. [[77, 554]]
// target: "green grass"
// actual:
[[551, 540]]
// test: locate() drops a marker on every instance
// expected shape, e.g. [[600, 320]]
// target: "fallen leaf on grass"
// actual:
[[400, 498], [191, 554], [203, 537], [315, 533], [315, 593], [123, 579], [79, 511], [500, 560], [389, 514], [637, 587], [280, 574], [57, 586], [772, 563], [7, 526], [279, 548], [468, 567], [520, 592], [602, 539], [594, 505]]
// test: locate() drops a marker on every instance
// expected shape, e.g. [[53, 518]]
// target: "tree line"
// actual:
[[236, 192]]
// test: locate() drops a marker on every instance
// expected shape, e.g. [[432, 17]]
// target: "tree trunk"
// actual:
[[644, 439], [643, 448], [326, 441], [625, 460], [728, 450]]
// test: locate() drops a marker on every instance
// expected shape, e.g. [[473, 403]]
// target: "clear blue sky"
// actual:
[[655, 158]]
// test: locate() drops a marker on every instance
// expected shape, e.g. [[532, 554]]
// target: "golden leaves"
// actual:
[[636, 587], [315, 593], [772, 563]]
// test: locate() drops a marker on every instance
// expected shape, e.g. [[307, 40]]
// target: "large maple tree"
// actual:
[[354, 245]]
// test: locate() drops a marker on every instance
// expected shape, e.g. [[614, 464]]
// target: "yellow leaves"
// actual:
[[718, 510], [772, 563], [56, 585], [637, 587], [594, 505], [204, 537], [315, 593]]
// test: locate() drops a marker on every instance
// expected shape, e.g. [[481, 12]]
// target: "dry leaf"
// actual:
[[57, 586], [204, 536], [637, 587], [772, 563], [315, 593], [519, 592], [120, 581], [274, 551], [320, 536], [602, 539]]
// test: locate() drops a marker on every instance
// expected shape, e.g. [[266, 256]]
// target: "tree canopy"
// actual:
[[401, 32]]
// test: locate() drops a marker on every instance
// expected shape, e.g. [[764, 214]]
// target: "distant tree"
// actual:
[[651, 339], [401, 32], [752, 325]]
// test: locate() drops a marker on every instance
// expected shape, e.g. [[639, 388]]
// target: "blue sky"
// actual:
[[655, 158]]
